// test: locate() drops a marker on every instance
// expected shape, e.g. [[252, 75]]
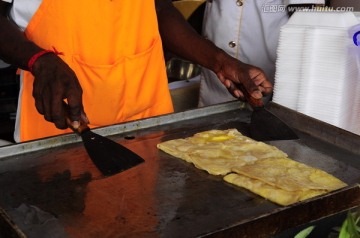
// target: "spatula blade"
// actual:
[[107, 155], [265, 126]]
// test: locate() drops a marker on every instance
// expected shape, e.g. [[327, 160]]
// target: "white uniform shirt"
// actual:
[[247, 30], [22, 11]]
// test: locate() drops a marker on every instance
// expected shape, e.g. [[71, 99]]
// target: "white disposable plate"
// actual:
[[326, 18]]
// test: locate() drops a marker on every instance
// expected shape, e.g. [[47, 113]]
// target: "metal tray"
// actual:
[[50, 188]]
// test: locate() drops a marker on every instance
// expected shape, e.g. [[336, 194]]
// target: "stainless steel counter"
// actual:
[[50, 186]]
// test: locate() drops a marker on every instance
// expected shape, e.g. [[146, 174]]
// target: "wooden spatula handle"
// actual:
[[82, 128], [83, 125]]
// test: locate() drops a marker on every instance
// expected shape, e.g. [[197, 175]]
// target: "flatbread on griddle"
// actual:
[[217, 151], [289, 175], [272, 193], [256, 166]]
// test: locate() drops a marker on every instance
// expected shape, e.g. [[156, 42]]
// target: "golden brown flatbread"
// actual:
[[272, 193], [289, 175], [217, 151], [283, 181], [256, 166]]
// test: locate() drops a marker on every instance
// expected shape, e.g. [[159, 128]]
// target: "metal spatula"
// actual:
[[264, 125], [107, 155]]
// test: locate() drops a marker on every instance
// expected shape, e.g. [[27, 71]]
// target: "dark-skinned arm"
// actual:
[[179, 37], [54, 80], [14, 47]]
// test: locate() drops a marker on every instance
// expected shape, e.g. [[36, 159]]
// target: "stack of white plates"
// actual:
[[316, 72], [288, 72]]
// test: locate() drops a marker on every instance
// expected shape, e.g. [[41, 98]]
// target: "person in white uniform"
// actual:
[[247, 30]]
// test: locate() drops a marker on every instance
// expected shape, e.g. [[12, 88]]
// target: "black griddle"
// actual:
[[53, 179]]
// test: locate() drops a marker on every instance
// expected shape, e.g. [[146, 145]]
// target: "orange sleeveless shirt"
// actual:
[[115, 49]]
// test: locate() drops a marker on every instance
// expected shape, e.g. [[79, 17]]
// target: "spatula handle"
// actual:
[[256, 103], [81, 129], [83, 125]]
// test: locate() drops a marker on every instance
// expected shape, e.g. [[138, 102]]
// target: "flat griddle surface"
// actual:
[[59, 191]]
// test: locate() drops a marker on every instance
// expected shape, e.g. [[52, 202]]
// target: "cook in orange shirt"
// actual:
[[105, 58]]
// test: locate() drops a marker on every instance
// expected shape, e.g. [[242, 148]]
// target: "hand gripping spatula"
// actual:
[[265, 126], [107, 155]]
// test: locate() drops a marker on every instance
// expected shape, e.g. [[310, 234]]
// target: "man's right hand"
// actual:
[[54, 82]]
